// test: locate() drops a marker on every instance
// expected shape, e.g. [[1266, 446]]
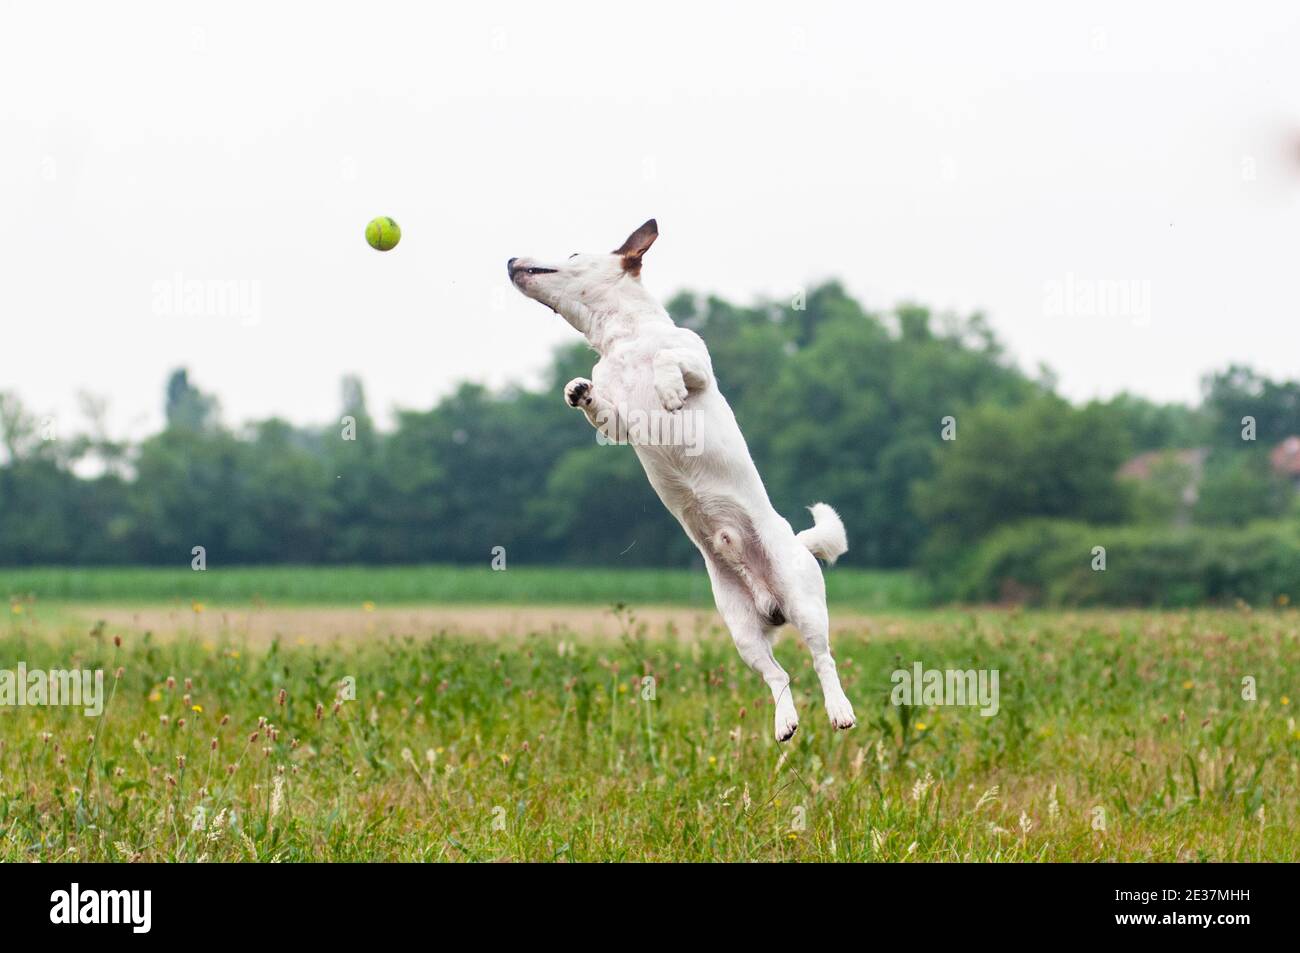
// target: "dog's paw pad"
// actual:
[[577, 393]]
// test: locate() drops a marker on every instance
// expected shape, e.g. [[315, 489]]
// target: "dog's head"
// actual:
[[583, 287]]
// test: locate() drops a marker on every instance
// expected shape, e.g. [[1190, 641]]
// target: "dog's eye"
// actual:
[[539, 271]]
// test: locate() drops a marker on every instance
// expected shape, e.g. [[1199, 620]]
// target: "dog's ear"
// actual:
[[637, 244]]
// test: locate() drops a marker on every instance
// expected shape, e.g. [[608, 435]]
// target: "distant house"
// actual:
[[1285, 460], [1144, 465], [1186, 465]]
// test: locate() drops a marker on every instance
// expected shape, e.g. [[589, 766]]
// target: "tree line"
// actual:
[[838, 403]]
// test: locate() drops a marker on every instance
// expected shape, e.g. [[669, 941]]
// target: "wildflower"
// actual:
[[197, 709], [155, 696], [213, 746], [320, 711], [1025, 823], [1188, 684], [171, 683], [1285, 700], [197, 607], [368, 606], [225, 719], [117, 641], [920, 726], [283, 696]]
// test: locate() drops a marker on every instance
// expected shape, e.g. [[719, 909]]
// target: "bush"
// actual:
[[1049, 562]]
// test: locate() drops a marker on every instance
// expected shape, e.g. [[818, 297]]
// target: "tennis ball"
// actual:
[[383, 234]]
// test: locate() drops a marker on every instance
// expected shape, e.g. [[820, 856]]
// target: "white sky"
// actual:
[[961, 155]]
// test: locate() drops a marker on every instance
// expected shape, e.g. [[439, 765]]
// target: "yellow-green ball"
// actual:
[[383, 234]]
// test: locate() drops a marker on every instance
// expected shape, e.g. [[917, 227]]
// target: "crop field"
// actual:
[[630, 733]]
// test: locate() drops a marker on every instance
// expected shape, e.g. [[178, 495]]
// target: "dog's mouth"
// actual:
[[514, 270]]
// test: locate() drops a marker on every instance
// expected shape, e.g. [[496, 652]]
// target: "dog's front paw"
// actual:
[[577, 393], [672, 394]]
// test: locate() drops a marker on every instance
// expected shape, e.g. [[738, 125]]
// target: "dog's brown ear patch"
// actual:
[[637, 244]]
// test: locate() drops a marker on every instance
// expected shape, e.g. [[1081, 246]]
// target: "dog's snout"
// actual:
[[510, 267]]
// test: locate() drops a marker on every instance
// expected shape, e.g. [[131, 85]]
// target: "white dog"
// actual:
[[763, 573]]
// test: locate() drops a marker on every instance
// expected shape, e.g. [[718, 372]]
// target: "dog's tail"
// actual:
[[826, 538]]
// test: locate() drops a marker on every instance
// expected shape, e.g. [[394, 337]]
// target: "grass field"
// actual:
[[425, 585], [1120, 736]]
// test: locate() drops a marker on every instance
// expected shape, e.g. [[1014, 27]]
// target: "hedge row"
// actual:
[[1055, 563]]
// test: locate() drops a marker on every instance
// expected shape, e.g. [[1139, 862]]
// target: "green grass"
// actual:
[[542, 747], [351, 585]]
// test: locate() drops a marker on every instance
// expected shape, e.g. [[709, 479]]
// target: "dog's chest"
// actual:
[[625, 375]]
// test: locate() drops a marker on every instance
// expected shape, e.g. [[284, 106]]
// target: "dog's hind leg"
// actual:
[[748, 633], [806, 606]]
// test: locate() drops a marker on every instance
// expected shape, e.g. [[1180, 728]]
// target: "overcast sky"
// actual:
[[1008, 158]]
